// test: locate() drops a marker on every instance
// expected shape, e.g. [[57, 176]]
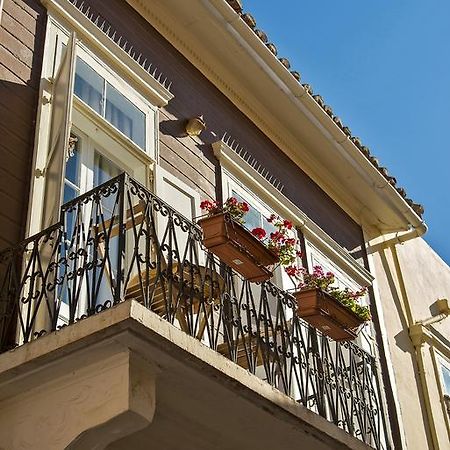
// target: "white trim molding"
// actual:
[[156, 91], [238, 167]]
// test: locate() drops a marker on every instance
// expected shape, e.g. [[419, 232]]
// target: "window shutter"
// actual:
[[60, 125]]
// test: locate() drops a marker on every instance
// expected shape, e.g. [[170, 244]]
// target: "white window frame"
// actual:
[[230, 184], [442, 361], [115, 80], [441, 358], [90, 146], [118, 68]]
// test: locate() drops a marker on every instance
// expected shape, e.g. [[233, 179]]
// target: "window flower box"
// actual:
[[327, 314], [237, 247]]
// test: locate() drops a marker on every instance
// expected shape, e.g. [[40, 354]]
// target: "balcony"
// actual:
[[120, 243]]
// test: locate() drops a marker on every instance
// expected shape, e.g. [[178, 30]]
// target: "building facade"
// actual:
[[413, 282], [117, 328]]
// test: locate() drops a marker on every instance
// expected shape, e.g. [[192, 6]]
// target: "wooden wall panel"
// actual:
[[22, 33]]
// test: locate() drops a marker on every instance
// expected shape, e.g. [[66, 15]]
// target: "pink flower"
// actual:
[[318, 271], [260, 233]]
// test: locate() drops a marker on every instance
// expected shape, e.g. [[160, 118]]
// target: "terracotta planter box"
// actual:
[[327, 314], [237, 247]]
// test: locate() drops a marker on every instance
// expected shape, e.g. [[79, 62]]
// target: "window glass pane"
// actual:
[[69, 193], [446, 378], [125, 116], [89, 86], [104, 169], [268, 227], [253, 218]]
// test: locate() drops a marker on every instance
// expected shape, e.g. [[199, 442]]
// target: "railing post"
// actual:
[[121, 250]]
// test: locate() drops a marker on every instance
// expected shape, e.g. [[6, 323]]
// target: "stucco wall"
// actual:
[[410, 278]]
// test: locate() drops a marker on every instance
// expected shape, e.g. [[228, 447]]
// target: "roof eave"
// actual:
[[345, 182]]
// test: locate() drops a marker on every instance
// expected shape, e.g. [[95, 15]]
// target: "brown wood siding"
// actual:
[[22, 33], [194, 95]]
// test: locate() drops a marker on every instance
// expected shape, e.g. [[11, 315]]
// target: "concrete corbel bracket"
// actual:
[[127, 407], [88, 396]]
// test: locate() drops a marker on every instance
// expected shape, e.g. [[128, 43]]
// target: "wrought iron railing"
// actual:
[[120, 242]]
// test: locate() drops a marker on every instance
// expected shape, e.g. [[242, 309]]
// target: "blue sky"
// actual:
[[384, 68]]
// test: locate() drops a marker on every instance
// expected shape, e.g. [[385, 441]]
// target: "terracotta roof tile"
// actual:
[[272, 48], [296, 75], [285, 62]]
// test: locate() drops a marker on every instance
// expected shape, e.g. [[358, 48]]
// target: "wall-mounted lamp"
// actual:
[[195, 126]]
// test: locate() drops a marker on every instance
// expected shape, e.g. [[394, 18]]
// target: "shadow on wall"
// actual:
[[174, 128]]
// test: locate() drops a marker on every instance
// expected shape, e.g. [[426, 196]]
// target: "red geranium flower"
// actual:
[[292, 271], [207, 204], [287, 224], [260, 233], [276, 236]]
